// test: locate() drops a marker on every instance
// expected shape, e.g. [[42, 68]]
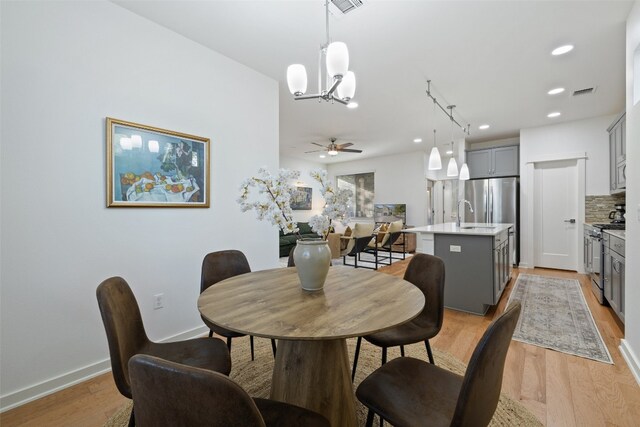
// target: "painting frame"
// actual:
[[172, 170], [302, 199]]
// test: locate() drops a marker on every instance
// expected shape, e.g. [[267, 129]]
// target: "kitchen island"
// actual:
[[477, 261]]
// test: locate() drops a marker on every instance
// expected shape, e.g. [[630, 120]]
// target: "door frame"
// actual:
[[527, 206]]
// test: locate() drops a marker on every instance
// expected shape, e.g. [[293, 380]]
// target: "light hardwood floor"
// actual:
[[560, 389]]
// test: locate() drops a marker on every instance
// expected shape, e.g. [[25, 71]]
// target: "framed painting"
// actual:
[[153, 167], [301, 199]]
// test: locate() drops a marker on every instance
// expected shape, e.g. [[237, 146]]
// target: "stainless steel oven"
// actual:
[[594, 257]]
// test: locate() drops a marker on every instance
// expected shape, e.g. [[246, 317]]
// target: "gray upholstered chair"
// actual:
[[172, 394], [216, 267], [126, 337], [408, 392]]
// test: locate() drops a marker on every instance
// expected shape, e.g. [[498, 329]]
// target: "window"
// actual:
[[363, 192]]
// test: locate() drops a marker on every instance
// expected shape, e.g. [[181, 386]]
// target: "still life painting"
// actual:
[[153, 167]]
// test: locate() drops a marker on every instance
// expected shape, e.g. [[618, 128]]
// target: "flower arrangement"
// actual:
[[277, 208]]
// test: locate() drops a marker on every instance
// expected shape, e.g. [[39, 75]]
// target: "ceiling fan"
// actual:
[[333, 149]]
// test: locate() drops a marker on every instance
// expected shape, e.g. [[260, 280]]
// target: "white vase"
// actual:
[[312, 259]]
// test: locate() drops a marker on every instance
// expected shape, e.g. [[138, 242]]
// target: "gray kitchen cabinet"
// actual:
[[618, 155], [478, 269], [493, 162], [614, 273]]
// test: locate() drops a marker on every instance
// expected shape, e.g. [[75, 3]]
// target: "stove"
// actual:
[[610, 226], [594, 255]]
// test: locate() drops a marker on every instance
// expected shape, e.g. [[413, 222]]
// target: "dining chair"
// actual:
[[173, 394], [126, 337], [427, 273], [409, 392], [216, 267]]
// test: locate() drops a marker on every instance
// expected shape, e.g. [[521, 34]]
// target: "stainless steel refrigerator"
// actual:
[[496, 200]]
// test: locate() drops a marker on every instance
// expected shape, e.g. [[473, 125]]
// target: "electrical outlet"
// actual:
[[158, 301]]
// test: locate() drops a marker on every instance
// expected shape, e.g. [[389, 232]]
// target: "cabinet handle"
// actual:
[[616, 266]]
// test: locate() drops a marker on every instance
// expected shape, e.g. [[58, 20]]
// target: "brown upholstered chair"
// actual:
[[427, 273], [171, 394], [409, 392], [216, 267], [126, 337]]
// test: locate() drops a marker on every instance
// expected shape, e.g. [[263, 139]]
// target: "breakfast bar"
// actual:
[[477, 259]]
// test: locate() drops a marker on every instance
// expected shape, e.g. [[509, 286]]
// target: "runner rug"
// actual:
[[555, 315]]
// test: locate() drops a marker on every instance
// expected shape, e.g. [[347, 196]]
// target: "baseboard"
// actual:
[[630, 357], [523, 265], [44, 388]]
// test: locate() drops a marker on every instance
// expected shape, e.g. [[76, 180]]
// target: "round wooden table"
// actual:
[[312, 367]]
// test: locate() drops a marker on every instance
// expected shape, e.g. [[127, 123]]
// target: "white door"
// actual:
[[555, 214]]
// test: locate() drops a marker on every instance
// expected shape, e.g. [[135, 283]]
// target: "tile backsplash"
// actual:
[[597, 208]]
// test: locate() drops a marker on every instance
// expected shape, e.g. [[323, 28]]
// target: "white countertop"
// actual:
[[617, 233], [470, 228]]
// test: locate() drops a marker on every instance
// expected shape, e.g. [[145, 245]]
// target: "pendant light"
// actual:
[[452, 168], [464, 172], [435, 163]]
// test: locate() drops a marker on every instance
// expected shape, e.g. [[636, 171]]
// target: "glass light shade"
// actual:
[[136, 141], [464, 172], [332, 152], [125, 143], [297, 79], [337, 59], [154, 147], [347, 87], [452, 169], [435, 163]]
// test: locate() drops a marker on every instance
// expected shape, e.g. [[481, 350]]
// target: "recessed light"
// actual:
[[556, 91], [562, 50], [352, 105], [417, 140], [554, 114], [483, 127], [449, 151], [322, 156]]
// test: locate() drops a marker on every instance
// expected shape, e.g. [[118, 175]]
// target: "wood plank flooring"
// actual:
[[560, 389]]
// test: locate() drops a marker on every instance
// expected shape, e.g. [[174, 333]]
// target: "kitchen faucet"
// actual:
[[470, 208]]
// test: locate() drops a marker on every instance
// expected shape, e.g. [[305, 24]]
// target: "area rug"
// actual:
[[555, 315], [366, 260], [255, 378]]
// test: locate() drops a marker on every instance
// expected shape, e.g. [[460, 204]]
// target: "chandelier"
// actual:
[[338, 79]]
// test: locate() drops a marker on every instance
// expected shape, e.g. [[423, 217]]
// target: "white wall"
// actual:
[[495, 143], [555, 141], [398, 179], [589, 135], [630, 346], [65, 67], [304, 167]]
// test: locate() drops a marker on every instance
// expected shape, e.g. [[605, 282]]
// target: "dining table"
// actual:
[[312, 367]]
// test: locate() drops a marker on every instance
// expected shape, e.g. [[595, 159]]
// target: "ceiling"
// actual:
[[490, 58]]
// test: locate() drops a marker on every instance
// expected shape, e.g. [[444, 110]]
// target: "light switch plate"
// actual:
[[455, 248]]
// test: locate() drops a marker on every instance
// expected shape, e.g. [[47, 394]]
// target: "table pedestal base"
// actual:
[[316, 375]]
